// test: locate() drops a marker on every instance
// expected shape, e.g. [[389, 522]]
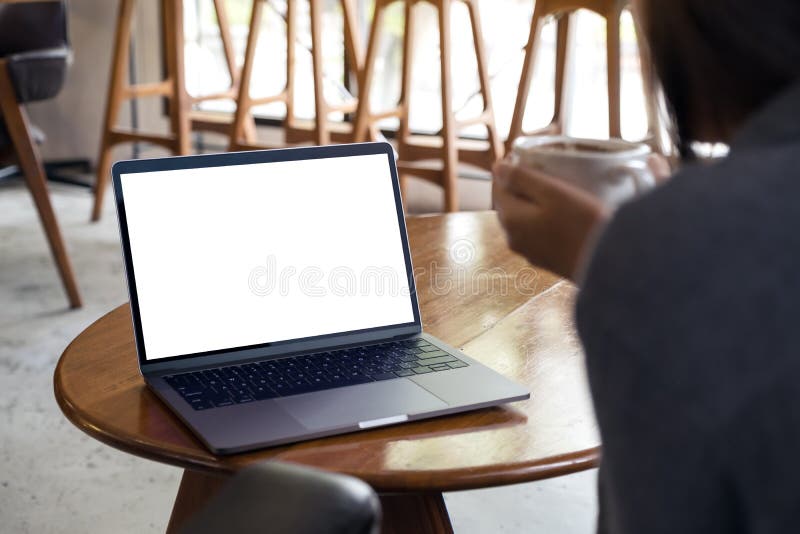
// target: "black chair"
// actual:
[[34, 54], [289, 499]]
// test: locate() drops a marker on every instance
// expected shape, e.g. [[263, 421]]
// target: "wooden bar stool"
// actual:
[[611, 11], [323, 131], [173, 87], [445, 147]]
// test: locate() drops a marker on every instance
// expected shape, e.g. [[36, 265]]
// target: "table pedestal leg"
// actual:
[[421, 513], [195, 490]]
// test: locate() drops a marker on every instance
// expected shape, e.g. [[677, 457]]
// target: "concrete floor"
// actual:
[[55, 479]]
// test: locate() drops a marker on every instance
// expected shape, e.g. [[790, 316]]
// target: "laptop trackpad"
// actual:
[[366, 402]]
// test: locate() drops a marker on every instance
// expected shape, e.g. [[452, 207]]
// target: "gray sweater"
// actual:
[[690, 317]]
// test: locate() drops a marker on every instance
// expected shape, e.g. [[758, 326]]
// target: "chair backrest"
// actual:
[[29, 26], [278, 497]]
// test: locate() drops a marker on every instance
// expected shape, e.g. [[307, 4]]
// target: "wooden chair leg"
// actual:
[[526, 77], [179, 99], [118, 78], [18, 127], [449, 147], [321, 130], [614, 72], [495, 144], [362, 127]]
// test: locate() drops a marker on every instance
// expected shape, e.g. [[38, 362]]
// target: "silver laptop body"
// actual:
[[273, 297]]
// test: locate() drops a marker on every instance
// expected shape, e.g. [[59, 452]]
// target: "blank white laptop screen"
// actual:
[[228, 257]]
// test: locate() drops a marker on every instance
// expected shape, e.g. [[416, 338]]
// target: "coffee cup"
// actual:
[[613, 170]]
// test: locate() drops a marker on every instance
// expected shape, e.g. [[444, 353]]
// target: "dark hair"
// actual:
[[721, 60]]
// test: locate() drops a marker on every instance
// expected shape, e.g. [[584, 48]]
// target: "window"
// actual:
[[506, 24]]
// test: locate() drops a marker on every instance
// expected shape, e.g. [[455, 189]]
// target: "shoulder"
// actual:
[[661, 247], [704, 227], [692, 288]]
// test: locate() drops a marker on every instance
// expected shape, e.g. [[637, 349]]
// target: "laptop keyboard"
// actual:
[[250, 382]]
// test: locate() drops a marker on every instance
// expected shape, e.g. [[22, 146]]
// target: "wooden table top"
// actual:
[[475, 294]]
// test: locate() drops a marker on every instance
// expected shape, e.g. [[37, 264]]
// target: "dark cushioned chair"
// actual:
[[34, 54], [282, 498]]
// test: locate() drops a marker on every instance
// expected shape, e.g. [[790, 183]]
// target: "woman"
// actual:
[[689, 309]]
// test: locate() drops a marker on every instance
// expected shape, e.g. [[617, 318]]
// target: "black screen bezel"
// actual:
[[249, 158]]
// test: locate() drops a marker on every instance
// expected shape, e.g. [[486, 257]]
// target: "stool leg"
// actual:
[[179, 99], [404, 131], [449, 148], [525, 77], [322, 133], [243, 101], [353, 49], [117, 79], [420, 513], [227, 40], [363, 112], [406, 76], [291, 36], [249, 127], [562, 57], [352, 39], [495, 145], [614, 72], [195, 490], [19, 128]]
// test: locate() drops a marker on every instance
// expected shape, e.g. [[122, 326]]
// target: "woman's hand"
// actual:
[[547, 221]]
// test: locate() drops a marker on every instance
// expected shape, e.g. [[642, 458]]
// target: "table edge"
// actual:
[[421, 480]]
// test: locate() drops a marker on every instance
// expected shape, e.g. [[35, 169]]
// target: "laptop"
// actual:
[[273, 297]]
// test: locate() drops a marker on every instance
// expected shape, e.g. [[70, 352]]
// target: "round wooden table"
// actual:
[[475, 294]]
